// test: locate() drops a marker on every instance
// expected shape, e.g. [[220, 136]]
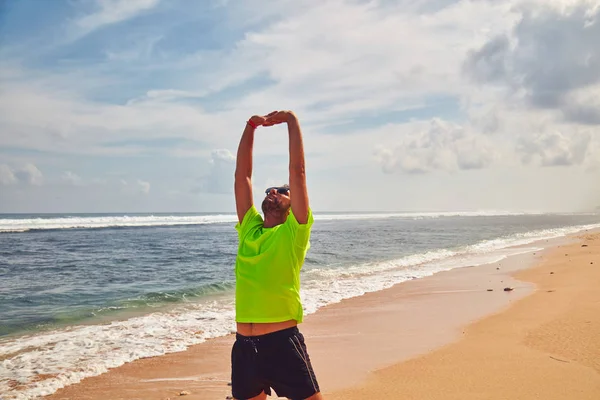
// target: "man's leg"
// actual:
[[288, 369], [245, 380]]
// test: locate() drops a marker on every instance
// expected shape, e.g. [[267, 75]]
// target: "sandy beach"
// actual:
[[453, 335], [546, 346]]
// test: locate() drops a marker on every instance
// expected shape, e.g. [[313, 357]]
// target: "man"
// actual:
[[269, 351]]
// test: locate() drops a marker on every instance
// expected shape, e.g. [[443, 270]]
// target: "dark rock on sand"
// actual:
[[508, 289]]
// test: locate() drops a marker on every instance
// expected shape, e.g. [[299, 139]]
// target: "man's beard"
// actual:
[[273, 207]]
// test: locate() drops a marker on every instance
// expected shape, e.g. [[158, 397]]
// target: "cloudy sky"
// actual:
[[138, 105]]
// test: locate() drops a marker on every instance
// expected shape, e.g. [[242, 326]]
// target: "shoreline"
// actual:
[[203, 369], [545, 346]]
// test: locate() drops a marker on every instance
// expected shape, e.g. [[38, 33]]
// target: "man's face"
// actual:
[[276, 202]]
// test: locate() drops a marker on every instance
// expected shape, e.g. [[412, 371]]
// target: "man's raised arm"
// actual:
[[298, 188], [299, 195], [243, 168]]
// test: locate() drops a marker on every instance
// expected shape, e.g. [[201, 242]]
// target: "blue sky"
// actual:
[[138, 105]]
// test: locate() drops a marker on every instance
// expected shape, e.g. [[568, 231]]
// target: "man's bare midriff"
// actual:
[[257, 329]]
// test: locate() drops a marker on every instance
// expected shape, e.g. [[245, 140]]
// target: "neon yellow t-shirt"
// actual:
[[267, 268]]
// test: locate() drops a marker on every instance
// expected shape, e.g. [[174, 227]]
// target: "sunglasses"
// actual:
[[280, 190]]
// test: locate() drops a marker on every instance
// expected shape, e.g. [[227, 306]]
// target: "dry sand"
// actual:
[[409, 342]]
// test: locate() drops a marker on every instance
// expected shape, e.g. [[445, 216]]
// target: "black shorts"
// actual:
[[277, 360]]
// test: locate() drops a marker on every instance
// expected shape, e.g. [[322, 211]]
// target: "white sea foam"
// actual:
[[82, 351], [23, 225], [94, 222], [71, 354]]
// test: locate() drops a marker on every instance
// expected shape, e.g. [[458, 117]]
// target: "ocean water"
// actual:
[[80, 294]]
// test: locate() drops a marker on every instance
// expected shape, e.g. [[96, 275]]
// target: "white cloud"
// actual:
[[143, 186], [551, 59], [219, 179], [353, 63], [166, 96], [583, 104], [554, 148], [440, 146], [27, 173], [142, 50], [71, 178], [134, 187], [7, 177], [30, 174], [67, 123], [113, 11], [592, 162]]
